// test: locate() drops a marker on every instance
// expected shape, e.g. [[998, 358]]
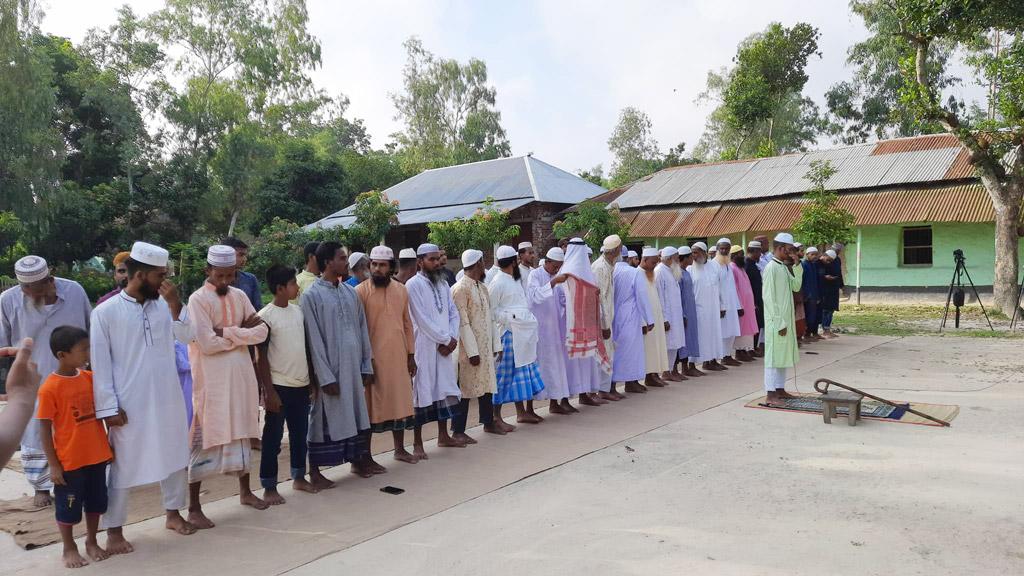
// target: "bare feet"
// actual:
[[302, 485], [93, 550], [42, 499], [528, 418], [784, 394], [535, 415], [419, 453], [195, 518], [361, 469], [588, 400], [464, 438], [116, 544], [450, 442], [253, 500], [556, 408], [505, 425], [693, 372], [72, 559], [175, 523], [567, 406], [654, 381], [273, 497], [729, 361], [494, 429], [597, 398], [375, 466], [672, 376], [635, 387], [403, 455], [320, 481]]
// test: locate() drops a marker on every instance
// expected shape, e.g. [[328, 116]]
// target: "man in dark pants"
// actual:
[[812, 293], [753, 271]]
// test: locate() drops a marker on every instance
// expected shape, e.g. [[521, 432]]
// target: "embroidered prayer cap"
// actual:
[[735, 249], [425, 249], [407, 253], [504, 252], [31, 269], [699, 246], [555, 254], [784, 238], [220, 256], [151, 254], [525, 245], [753, 244], [470, 257], [631, 253], [723, 241], [811, 250], [685, 251], [611, 243], [830, 253], [650, 251], [355, 258], [381, 253], [120, 258], [668, 252]]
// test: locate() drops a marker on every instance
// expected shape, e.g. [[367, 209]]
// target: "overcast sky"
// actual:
[[562, 69]]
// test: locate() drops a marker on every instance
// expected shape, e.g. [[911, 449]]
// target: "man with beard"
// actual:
[[654, 340], [604, 269], [633, 319], [633, 258], [33, 309], [137, 394], [436, 329], [339, 346], [752, 266], [406, 265], [527, 262], [733, 308], [812, 293], [358, 269], [389, 393], [225, 390], [120, 277], [667, 276], [449, 276], [547, 303], [710, 308], [588, 370], [691, 348], [781, 279]]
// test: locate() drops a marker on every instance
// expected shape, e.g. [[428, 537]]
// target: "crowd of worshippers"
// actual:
[[357, 344]]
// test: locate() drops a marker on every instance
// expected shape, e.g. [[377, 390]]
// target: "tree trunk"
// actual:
[[234, 220], [1007, 204]]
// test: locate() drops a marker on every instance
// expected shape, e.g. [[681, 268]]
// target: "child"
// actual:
[[284, 377], [75, 443]]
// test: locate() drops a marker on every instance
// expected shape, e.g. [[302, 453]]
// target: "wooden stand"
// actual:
[[831, 400]]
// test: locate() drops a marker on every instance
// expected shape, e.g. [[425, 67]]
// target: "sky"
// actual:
[[562, 69]]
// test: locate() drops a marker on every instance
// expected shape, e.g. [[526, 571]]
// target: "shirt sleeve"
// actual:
[[640, 288], [407, 328], [47, 404], [419, 301], [775, 317], [796, 278], [366, 358], [6, 335], [103, 392], [467, 338], [248, 336], [317, 345], [454, 318]]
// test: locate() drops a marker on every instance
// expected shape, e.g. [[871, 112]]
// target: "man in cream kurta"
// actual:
[[654, 340], [604, 270], [225, 391]]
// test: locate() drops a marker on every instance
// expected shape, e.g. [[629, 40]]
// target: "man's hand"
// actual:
[[667, 326], [559, 279], [368, 379], [782, 332], [740, 311], [646, 329], [252, 321], [119, 419], [332, 389], [411, 364], [169, 292], [721, 314], [443, 350], [474, 360], [606, 333], [23, 378], [498, 355], [271, 401], [57, 474], [219, 332]]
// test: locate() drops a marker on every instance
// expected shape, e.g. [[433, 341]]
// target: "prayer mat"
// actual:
[[808, 403]]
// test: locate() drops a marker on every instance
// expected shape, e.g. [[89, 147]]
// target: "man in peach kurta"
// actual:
[[225, 391], [389, 395]]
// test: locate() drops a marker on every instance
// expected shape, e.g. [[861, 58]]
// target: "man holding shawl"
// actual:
[[589, 367]]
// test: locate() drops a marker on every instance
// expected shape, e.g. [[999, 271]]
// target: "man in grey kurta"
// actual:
[[339, 346]]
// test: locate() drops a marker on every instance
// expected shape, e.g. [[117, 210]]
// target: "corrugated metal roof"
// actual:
[[424, 215], [888, 163]]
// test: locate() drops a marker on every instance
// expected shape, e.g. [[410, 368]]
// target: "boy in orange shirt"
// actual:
[[75, 443]]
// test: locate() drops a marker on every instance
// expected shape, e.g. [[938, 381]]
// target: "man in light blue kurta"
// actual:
[[691, 349], [781, 279], [633, 318]]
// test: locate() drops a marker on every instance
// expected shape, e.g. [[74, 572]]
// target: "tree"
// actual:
[[821, 220], [635, 149], [375, 215], [281, 242], [487, 227], [11, 232], [991, 33], [449, 112], [594, 175], [306, 185], [593, 222], [242, 162]]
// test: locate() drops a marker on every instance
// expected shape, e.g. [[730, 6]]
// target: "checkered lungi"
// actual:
[[515, 384]]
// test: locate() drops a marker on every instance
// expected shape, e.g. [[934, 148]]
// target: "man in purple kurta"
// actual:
[[547, 302], [691, 347], [633, 318]]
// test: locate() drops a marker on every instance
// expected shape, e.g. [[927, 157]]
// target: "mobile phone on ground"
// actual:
[[392, 490]]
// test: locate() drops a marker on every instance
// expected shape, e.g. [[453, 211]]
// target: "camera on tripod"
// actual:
[[958, 256], [957, 296]]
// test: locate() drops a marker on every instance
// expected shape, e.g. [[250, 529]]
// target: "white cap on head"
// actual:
[[406, 254], [577, 240], [724, 241], [355, 258], [150, 254], [797, 245], [631, 253], [668, 252], [684, 251], [504, 252], [650, 251], [714, 249], [427, 249], [611, 243], [221, 256], [525, 245], [381, 253], [753, 244], [29, 269], [830, 253], [811, 250], [470, 257], [784, 238], [699, 245], [555, 254]]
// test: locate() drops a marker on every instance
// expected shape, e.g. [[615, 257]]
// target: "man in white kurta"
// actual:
[[604, 269], [667, 276], [710, 307], [137, 393], [435, 321], [654, 340], [547, 302], [731, 300]]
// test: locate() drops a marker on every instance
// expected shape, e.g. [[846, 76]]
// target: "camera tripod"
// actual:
[[956, 291]]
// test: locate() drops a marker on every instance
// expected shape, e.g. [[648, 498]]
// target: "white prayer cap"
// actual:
[[355, 259], [381, 253], [555, 254], [220, 256], [753, 244], [723, 241], [149, 254], [713, 249], [504, 252], [470, 257], [797, 245], [784, 238], [830, 253], [31, 269], [427, 249], [811, 250], [668, 252], [611, 243], [685, 251], [525, 245], [577, 240], [406, 254], [735, 249], [631, 253], [699, 245], [624, 252], [650, 251]]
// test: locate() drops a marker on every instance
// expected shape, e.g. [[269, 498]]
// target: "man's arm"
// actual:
[[418, 302], [22, 383], [202, 330], [252, 332], [46, 436], [315, 344], [467, 338]]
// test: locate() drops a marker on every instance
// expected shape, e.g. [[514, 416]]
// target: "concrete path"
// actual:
[[684, 478]]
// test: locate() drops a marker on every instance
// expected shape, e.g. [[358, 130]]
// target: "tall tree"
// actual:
[[634, 147], [241, 163], [306, 185], [821, 220], [995, 144], [448, 110]]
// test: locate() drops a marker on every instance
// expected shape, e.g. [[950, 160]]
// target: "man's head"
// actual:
[[428, 257], [359, 266], [782, 246], [685, 256], [736, 255], [649, 258], [724, 246], [309, 253], [633, 258], [241, 250], [798, 251], [670, 256], [382, 262], [829, 256], [553, 260], [754, 249], [281, 281], [332, 259], [812, 254], [221, 267], [120, 270], [507, 260], [838, 247], [611, 248], [473, 264], [70, 345], [762, 240], [527, 254], [700, 252], [444, 257], [563, 243], [35, 279], [146, 266]]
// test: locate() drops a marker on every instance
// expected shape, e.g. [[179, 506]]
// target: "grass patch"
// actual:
[[909, 320]]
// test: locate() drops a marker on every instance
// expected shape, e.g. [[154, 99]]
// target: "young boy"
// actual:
[[284, 377], [75, 443]]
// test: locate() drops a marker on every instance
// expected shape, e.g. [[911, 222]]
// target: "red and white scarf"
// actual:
[[583, 323]]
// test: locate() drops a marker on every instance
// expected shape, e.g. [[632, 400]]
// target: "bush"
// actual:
[[95, 284]]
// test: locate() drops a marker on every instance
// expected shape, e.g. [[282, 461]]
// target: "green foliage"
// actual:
[[11, 247], [188, 260], [280, 242], [306, 186], [821, 220], [375, 215], [239, 167], [485, 228], [72, 224], [634, 147], [595, 175], [95, 283], [593, 222]]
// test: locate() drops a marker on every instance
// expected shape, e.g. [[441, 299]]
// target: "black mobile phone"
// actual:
[[392, 490]]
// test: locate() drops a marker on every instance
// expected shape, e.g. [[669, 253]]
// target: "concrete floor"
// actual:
[[681, 479]]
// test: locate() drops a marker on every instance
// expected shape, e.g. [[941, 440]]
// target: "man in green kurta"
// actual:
[[780, 280]]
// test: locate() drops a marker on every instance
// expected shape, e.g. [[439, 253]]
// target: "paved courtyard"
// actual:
[[684, 479]]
